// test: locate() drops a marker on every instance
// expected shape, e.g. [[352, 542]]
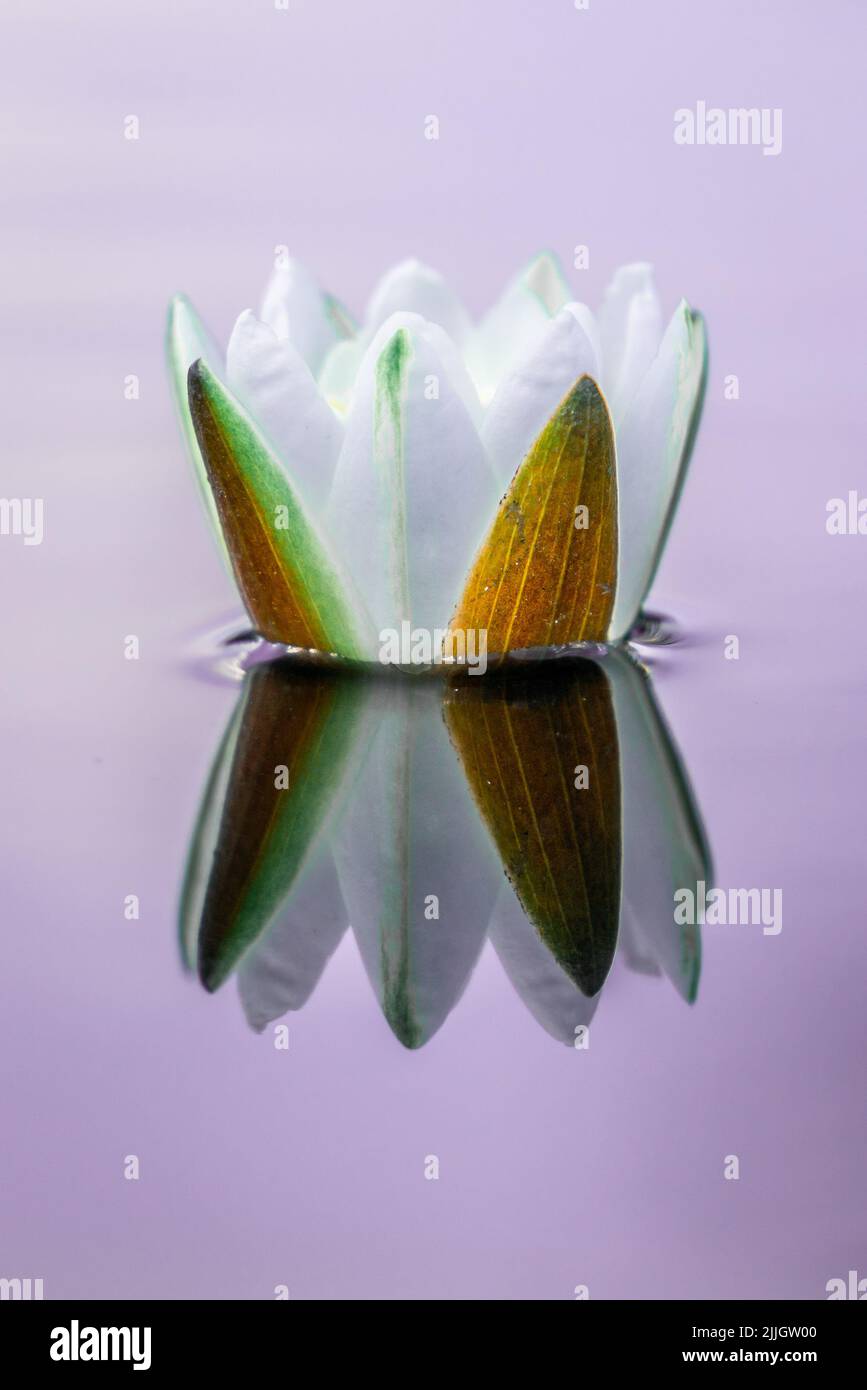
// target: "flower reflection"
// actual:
[[547, 810]]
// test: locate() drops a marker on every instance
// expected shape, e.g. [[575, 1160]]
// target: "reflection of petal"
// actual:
[[205, 834], [294, 732], [283, 969], [410, 834], [522, 742], [636, 953], [664, 846], [592, 861], [546, 989]]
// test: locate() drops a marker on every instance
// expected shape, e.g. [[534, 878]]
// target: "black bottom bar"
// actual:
[[163, 1337]]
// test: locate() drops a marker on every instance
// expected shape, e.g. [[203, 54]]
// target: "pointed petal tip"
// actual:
[[398, 345], [179, 301], [696, 322], [211, 977], [633, 270], [544, 278], [546, 257], [203, 382], [249, 316], [181, 316], [249, 333], [199, 380], [391, 363], [184, 327], [415, 266], [587, 392], [413, 286], [412, 1040]]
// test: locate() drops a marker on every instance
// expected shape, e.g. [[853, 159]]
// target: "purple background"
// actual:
[[305, 1167]]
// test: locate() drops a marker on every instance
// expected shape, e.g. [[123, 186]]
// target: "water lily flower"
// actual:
[[547, 812], [515, 477]]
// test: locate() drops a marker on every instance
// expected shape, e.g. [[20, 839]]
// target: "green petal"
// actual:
[[292, 588]]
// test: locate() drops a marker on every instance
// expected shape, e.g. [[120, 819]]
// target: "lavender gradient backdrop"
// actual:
[[259, 1167]]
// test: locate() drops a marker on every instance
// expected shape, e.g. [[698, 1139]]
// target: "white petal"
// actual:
[[512, 326], [587, 319], [296, 308], [341, 369], [411, 835], [338, 372], [413, 491], [452, 361], [547, 991], [664, 846], [283, 969], [530, 393], [415, 288], [630, 327], [643, 329], [274, 384], [339, 317], [544, 278], [651, 451]]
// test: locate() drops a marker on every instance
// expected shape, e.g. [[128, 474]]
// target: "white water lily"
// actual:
[[355, 473]]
